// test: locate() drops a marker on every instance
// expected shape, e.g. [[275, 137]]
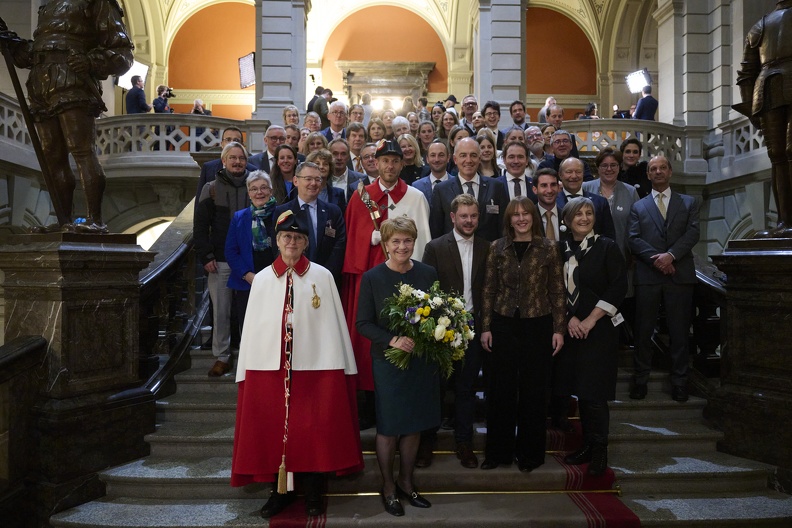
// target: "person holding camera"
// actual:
[[161, 106]]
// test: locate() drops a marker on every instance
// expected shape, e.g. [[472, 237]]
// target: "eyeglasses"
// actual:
[[230, 139], [338, 113], [236, 158], [491, 114], [469, 104], [609, 166], [562, 142], [369, 157], [311, 179], [277, 139], [254, 190]]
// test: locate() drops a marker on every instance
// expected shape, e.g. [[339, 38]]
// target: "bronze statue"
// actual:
[[76, 44], [765, 82]]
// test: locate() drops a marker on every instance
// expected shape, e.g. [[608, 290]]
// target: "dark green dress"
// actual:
[[407, 401]]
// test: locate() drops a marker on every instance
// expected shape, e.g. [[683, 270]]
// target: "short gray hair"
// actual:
[[573, 206], [258, 175]]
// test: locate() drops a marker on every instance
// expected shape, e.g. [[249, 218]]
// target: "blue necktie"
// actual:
[[311, 233]]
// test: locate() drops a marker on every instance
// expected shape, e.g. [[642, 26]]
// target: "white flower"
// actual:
[[470, 334], [435, 302], [439, 332], [457, 342], [405, 289], [458, 305], [418, 294], [445, 321]]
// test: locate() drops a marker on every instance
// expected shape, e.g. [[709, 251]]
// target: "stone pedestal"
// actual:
[[81, 293], [754, 403]]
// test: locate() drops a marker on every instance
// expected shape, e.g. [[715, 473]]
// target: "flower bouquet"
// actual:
[[435, 320]]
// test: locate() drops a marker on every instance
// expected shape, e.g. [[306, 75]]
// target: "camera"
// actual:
[[168, 93]]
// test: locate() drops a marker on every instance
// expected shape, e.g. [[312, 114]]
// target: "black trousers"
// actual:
[[595, 419], [519, 372]]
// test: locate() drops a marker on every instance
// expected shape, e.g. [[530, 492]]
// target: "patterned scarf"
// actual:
[[261, 239], [571, 274]]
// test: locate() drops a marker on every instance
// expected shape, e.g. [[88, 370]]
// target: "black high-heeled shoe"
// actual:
[[392, 504], [414, 498]]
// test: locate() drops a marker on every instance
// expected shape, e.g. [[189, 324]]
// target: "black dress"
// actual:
[[407, 401], [588, 367]]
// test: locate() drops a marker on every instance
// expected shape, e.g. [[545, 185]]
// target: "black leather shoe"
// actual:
[[638, 391], [466, 456], [581, 456], [313, 484], [392, 504], [276, 504], [526, 466], [679, 393], [489, 464], [599, 460], [414, 498]]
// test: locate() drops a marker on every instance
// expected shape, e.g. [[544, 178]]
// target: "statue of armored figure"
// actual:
[[76, 45], [765, 81]]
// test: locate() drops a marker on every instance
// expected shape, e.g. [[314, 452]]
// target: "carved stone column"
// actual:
[[280, 57]]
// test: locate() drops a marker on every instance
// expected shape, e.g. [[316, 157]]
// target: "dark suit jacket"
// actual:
[[490, 193], [443, 255], [330, 236], [136, 101], [677, 234], [527, 191], [646, 108], [425, 186], [261, 161], [329, 135], [603, 223]]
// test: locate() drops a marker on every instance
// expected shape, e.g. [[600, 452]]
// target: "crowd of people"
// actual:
[[309, 237]]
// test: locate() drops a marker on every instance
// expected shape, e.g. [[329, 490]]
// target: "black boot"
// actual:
[[314, 504], [599, 460], [581, 456], [276, 503]]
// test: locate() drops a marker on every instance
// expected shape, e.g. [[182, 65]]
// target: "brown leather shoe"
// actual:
[[467, 457], [425, 455], [218, 369]]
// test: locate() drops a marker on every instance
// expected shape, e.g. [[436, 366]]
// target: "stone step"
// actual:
[[766, 509], [680, 437], [184, 478], [708, 472]]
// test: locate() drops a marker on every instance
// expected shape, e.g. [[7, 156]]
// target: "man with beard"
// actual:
[[545, 187], [469, 107], [389, 196], [535, 141], [218, 202], [460, 259], [517, 112], [491, 194]]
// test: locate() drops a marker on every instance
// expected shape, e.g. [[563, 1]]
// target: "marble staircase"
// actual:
[[663, 455]]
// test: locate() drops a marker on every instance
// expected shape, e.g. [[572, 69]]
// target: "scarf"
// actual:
[[261, 239], [571, 273]]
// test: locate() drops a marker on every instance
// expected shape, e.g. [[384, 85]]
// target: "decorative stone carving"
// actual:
[[385, 78]]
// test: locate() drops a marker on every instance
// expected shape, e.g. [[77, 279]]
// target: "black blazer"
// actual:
[[443, 255], [491, 193], [330, 236]]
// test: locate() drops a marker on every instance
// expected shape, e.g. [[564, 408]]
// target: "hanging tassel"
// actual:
[[282, 483]]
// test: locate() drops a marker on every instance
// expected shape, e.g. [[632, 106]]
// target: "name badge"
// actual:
[[330, 232], [617, 319], [493, 209]]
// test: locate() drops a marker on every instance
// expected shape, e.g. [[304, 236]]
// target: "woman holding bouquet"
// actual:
[[596, 283], [407, 401], [523, 325]]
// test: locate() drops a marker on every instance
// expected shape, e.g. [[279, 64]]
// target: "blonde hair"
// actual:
[[400, 224]]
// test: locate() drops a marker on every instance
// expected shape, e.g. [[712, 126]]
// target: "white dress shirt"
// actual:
[[465, 246]]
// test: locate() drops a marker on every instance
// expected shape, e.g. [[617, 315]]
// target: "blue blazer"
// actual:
[[329, 135], [330, 236], [425, 186], [646, 108], [239, 247], [603, 223], [677, 234]]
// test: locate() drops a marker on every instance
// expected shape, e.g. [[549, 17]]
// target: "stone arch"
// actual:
[[146, 25], [326, 16]]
